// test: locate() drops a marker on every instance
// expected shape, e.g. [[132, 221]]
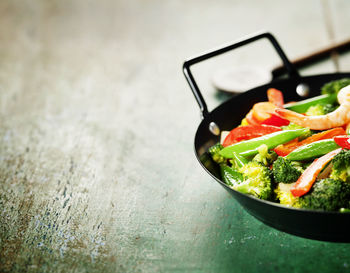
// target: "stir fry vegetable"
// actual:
[[286, 149], [308, 177], [298, 157], [248, 132], [343, 141], [275, 120], [341, 166], [250, 147], [313, 150], [284, 171], [303, 106]]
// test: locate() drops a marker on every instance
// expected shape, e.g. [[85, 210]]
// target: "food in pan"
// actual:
[[296, 154]]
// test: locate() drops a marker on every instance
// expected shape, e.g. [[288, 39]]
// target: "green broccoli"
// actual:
[[284, 196], [265, 156], [301, 166], [333, 87], [326, 194], [341, 166], [292, 126], [214, 152], [256, 180], [285, 171], [320, 109]]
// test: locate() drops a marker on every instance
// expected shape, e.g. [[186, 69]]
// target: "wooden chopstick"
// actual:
[[313, 57]]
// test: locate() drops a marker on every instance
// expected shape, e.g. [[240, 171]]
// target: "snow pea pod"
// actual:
[[250, 147], [302, 106], [239, 160], [313, 150], [230, 176]]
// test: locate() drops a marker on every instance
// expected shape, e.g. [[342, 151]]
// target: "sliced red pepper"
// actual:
[[248, 132], [308, 177], [285, 149], [343, 141], [275, 96], [276, 121]]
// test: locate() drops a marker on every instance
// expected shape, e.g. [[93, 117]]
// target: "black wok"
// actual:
[[320, 225]]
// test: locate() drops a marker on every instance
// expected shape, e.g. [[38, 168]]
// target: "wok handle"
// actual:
[[291, 70]]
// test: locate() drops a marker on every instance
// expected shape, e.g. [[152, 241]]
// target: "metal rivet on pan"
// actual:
[[214, 128], [303, 90]]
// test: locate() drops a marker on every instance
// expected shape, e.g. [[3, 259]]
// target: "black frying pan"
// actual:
[[320, 225]]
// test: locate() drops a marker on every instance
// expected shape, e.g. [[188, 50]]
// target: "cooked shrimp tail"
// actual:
[[339, 117]]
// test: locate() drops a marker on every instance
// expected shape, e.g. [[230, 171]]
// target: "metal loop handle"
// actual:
[[291, 70]]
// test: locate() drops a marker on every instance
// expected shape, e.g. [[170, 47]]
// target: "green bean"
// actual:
[[230, 176], [239, 160], [302, 106], [250, 147], [313, 150]]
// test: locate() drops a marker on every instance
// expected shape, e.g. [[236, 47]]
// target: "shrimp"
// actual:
[[339, 117], [347, 130]]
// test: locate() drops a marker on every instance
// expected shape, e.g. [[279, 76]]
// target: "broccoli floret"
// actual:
[[284, 171], [333, 87], [341, 166], [320, 109], [265, 156], [256, 180], [284, 196], [326, 194], [328, 108], [301, 166], [214, 152], [292, 126]]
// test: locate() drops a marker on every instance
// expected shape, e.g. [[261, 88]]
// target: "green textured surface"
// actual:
[[97, 170]]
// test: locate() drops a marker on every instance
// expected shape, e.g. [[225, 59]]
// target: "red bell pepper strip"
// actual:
[[285, 149], [308, 177], [248, 132], [276, 97], [343, 141], [276, 121]]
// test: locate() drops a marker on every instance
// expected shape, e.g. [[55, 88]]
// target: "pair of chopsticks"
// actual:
[[314, 57]]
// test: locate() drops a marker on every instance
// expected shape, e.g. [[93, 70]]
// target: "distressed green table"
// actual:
[[97, 170]]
